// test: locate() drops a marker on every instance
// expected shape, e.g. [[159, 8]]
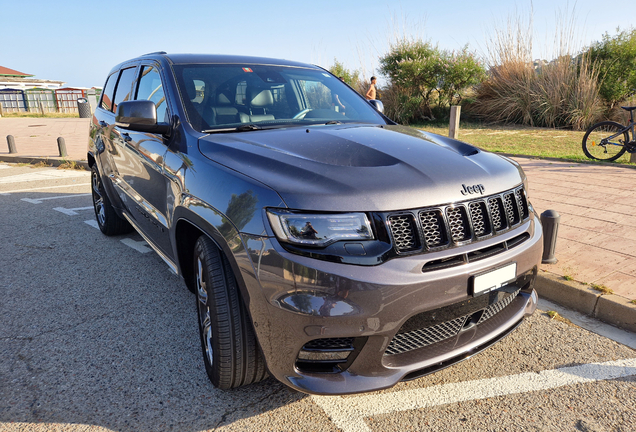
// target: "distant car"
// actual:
[[325, 244]]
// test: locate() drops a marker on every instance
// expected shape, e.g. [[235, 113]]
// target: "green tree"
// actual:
[[615, 59], [351, 77], [422, 78]]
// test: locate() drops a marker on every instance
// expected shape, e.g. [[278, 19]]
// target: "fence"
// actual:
[[12, 100], [67, 99], [38, 100]]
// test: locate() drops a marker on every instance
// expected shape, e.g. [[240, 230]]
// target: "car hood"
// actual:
[[361, 167]]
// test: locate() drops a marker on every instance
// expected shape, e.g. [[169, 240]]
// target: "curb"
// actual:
[[54, 161], [610, 308]]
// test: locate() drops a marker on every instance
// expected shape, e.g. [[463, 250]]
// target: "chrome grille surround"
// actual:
[[459, 223]]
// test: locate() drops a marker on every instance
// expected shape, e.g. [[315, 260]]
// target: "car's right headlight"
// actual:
[[318, 229]]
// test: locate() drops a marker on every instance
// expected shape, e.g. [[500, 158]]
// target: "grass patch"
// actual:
[[568, 278], [520, 140], [633, 301], [40, 164], [602, 288], [71, 165], [38, 115], [555, 316]]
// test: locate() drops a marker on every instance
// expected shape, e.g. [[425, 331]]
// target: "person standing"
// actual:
[[371, 93]]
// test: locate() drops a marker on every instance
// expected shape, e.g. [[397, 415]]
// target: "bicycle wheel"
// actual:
[[604, 141]]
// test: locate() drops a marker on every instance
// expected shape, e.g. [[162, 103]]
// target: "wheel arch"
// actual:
[[188, 228]]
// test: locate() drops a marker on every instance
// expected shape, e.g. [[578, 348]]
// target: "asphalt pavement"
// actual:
[[96, 334]]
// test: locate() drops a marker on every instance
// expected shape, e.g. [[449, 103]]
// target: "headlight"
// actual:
[[319, 229]]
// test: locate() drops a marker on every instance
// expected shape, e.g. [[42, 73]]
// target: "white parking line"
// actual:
[[39, 200], [43, 188], [73, 211], [139, 246], [92, 223], [349, 413], [44, 175]]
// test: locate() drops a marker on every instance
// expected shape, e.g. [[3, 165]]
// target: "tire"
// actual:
[[593, 146], [230, 351], [108, 220]]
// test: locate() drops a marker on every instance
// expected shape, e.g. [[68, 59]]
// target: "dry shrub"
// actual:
[[562, 93]]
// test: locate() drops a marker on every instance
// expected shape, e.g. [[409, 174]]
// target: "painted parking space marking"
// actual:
[[39, 200], [92, 223], [43, 188], [44, 175], [139, 246], [349, 413], [73, 211]]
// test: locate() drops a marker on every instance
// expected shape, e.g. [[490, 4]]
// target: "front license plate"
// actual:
[[494, 279]]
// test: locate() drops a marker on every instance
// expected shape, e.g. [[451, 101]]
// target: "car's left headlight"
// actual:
[[317, 229]]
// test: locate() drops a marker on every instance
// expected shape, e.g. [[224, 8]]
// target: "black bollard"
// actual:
[[11, 142], [550, 221], [61, 145]]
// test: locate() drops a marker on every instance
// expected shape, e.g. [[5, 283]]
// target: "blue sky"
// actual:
[[79, 41]]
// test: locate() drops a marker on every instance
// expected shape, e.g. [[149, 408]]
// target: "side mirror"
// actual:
[[140, 116], [378, 105]]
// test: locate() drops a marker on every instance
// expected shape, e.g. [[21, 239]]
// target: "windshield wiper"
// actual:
[[333, 122], [242, 128]]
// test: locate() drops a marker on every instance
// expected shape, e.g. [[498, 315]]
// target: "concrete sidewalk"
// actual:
[[37, 138], [596, 244]]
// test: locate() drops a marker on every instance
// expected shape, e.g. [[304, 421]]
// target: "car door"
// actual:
[[144, 153]]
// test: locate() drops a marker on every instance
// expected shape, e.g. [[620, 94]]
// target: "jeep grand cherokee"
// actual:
[[325, 244]]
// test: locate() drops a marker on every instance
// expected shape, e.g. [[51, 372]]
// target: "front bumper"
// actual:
[[294, 300]]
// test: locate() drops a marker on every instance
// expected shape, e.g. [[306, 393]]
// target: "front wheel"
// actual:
[[231, 353], [605, 141], [108, 220]]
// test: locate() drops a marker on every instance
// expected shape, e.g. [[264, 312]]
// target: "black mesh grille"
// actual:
[[494, 309], [522, 203], [479, 218], [329, 344], [511, 208], [419, 338], [403, 231], [415, 339], [461, 222], [458, 224], [498, 213], [433, 228]]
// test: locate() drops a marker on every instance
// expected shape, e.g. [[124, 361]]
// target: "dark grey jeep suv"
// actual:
[[325, 244]]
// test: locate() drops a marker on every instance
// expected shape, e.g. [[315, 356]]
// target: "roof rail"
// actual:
[[153, 53]]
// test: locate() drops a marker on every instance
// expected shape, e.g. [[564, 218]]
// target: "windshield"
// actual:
[[229, 97]]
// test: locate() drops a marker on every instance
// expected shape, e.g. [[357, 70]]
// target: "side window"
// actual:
[[150, 88], [107, 95], [122, 93]]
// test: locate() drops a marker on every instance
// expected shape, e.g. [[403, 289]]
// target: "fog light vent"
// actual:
[[325, 355]]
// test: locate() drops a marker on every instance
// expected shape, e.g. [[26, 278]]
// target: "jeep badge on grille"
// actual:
[[479, 188]]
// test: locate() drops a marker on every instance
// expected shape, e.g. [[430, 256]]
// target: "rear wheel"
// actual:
[[604, 141], [108, 220], [230, 351]]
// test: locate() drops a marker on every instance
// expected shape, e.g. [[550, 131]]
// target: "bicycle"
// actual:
[[602, 141]]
